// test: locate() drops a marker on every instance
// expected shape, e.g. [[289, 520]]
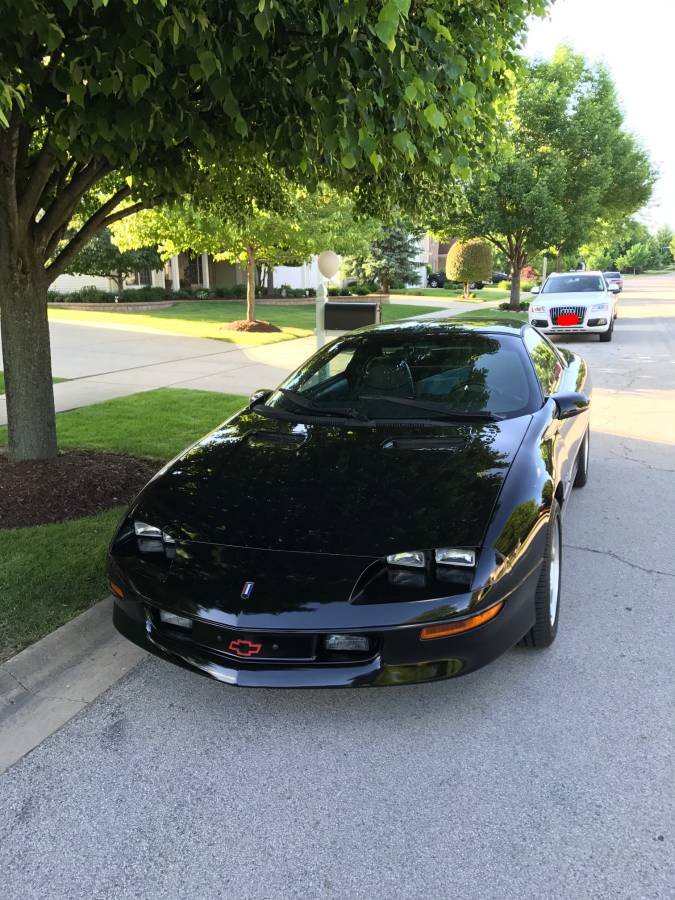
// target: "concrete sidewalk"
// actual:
[[103, 361]]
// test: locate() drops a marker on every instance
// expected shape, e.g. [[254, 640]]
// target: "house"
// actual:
[[185, 270]]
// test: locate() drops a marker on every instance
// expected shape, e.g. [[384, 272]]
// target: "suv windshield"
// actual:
[[571, 284], [414, 376]]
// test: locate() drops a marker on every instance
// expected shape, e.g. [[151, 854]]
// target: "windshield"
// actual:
[[572, 284], [612, 274], [384, 376]]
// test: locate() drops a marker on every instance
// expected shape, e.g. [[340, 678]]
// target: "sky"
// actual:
[[637, 42]]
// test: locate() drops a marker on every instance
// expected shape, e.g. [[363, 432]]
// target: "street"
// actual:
[[548, 774]]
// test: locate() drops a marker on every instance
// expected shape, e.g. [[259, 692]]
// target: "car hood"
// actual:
[[578, 298], [270, 484]]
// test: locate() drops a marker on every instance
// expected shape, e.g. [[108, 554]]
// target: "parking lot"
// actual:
[[547, 774]]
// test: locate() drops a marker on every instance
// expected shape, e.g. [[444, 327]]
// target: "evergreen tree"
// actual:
[[393, 259]]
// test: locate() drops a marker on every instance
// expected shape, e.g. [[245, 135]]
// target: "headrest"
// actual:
[[384, 375]]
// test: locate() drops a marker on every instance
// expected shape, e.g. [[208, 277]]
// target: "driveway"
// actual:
[[545, 775]]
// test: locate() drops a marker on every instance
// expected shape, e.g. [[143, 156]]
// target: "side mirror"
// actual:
[[535, 289], [571, 404], [259, 396]]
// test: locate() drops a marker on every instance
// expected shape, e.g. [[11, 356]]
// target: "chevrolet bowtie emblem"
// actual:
[[247, 590]]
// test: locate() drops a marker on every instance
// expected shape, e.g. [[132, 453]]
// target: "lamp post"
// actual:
[[328, 263]]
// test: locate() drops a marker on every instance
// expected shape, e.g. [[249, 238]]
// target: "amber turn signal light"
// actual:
[[448, 628], [117, 590]]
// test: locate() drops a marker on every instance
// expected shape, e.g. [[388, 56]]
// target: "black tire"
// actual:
[[606, 336], [433, 282], [545, 628], [582, 462]]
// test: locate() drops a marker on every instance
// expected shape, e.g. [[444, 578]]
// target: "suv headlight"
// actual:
[[599, 306]]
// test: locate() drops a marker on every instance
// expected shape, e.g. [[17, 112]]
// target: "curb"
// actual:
[[49, 682]]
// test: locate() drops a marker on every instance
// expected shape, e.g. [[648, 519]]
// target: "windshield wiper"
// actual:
[[439, 408], [308, 403]]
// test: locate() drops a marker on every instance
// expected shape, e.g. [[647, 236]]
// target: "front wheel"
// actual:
[[606, 336], [433, 283], [547, 596]]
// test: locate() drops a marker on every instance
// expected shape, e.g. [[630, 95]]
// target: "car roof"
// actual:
[[496, 325], [576, 272]]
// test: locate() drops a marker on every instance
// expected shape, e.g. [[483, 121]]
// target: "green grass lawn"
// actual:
[[2, 382], [206, 320], [156, 424], [455, 294], [50, 573]]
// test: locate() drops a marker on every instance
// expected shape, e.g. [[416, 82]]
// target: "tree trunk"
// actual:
[[119, 278], [466, 290], [26, 357], [559, 260], [270, 280], [250, 284], [514, 299]]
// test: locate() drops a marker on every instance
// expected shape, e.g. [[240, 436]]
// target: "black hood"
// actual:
[[329, 488]]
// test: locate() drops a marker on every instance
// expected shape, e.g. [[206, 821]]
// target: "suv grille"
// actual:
[[579, 311]]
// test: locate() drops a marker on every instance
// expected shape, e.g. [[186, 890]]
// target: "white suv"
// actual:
[[576, 303]]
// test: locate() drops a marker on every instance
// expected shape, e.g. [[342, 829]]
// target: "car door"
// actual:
[[550, 366]]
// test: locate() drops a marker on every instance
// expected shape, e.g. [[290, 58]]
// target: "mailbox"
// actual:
[[342, 315]]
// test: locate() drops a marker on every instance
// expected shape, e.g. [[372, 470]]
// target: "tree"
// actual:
[[391, 259], [611, 240], [565, 165], [469, 261], [638, 257], [225, 220], [663, 241], [102, 257], [115, 102]]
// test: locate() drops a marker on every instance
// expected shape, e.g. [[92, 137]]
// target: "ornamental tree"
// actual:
[[469, 261], [224, 220], [114, 101], [102, 257]]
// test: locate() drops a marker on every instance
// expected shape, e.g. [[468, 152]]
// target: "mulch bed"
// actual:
[[250, 325], [77, 483]]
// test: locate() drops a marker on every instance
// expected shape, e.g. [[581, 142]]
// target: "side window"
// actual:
[[545, 361]]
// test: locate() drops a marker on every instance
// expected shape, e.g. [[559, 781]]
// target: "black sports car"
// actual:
[[390, 514]]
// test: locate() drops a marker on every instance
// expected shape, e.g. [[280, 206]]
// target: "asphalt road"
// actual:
[[548, 774]]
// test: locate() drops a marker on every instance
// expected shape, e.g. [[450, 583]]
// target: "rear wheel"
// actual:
[[606, 336], [547, 596], [582, 462], [433, 282]]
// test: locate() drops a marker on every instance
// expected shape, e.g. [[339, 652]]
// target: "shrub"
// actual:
[[360, 290], [504, 285], [527, 285], [528, 273], [338, 291], [469, 261], [523, 305]]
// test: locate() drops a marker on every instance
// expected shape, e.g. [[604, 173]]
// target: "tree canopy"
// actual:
[[565, 164], [224, 220], [102, 257], [127, 96]]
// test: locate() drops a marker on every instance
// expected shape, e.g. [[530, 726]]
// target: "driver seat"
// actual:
[[385, 375]]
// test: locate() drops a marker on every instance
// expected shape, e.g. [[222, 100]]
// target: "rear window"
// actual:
[[572, 284], [612, 274]]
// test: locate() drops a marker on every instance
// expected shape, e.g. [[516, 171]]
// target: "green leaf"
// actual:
[[76, 94], [261, 23], [348, 160], [139, 84], [209, 62], [434, 116], [386, 26]]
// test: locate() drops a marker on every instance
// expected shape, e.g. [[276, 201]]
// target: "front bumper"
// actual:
[[399, 657], [542, 323]]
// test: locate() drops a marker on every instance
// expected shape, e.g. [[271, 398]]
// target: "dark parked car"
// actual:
[[390, 514], [436, 280]]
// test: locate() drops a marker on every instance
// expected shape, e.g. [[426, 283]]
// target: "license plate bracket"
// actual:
[[568, 319], [255, 645]]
